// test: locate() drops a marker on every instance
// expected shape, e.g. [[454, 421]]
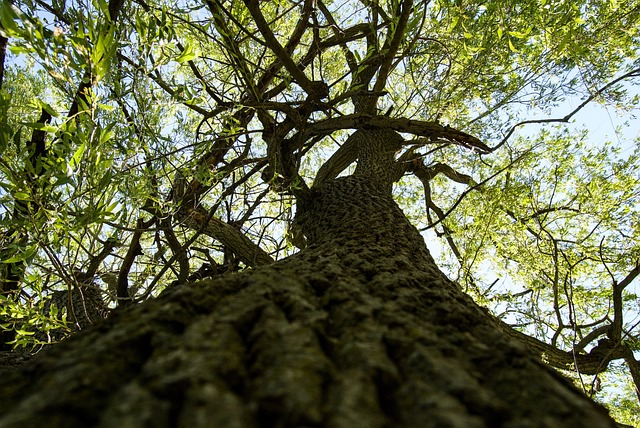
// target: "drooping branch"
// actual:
[[425, 174], [429, 172], [477, 186]]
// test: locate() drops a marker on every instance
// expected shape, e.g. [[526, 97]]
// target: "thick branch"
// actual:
[[592, 363], [135, 250], [232, 238], [616, 333], [37, 149], [320, 89], [338, 162], [178, 252], [392, 43], [634, 369], [292, 42], [433, 130], [94, 264]]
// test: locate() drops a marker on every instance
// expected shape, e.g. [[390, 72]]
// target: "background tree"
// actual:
[[147, 145]]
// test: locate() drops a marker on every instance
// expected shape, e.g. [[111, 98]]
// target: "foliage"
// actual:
[[178, 130]]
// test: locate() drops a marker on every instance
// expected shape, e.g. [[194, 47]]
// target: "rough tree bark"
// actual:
[[360, 329]]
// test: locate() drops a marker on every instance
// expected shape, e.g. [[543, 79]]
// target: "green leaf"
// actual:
[[105, 136], [8, 15], [77, 156], [519, 35], [22, 196], [18, 50], [61, 181], [39, 126], [187, 54], [24, 255], [48, 108]]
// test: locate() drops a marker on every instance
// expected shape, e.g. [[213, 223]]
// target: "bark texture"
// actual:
[[360, 329]]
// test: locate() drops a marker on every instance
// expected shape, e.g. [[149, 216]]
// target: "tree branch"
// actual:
[[318, 89], [436, 132], [87, 82], [633, 73], [634, 369], [392, 43], [616, 333], [177, 249], [293, 41], [232, 48], [338, 162], [122, 290], [592, 363], [248, 252], [3, 51]]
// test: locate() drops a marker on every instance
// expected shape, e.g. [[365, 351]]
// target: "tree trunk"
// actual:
[[360, 329]]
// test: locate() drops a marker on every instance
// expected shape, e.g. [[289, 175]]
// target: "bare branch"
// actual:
[[633, 73]]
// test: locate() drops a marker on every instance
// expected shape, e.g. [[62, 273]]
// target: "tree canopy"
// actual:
[[150, 143]]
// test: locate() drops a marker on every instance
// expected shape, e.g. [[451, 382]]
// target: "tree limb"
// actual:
[[633, 73], [436, 132], [616, 333], [592, 363], [319, 89], [122, 291], [87, 82], [3, 52], [248, 252]]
